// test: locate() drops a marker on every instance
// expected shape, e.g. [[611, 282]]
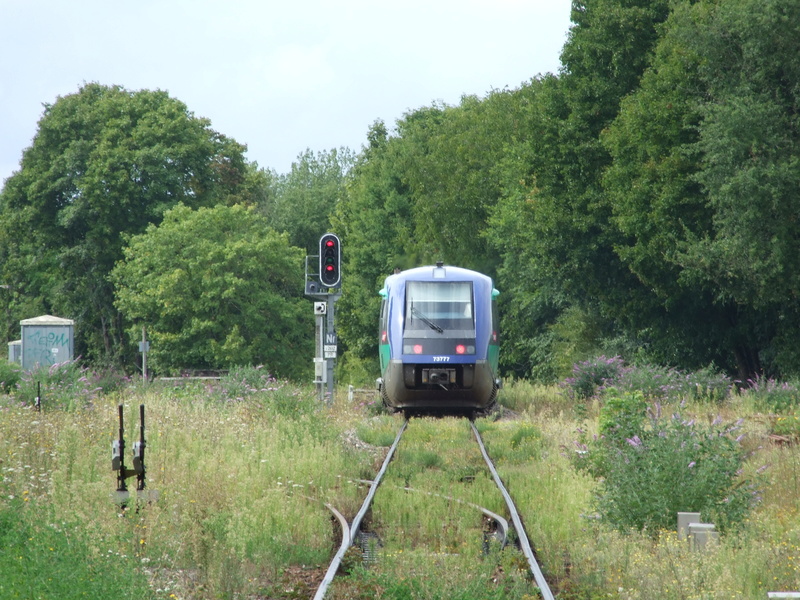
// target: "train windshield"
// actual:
[[439, 306]]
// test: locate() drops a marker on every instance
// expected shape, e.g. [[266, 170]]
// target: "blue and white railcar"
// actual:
[[439, 343]]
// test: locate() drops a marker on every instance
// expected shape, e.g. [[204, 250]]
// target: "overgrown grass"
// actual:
[[242, 483], [242, 467], [45, 556]]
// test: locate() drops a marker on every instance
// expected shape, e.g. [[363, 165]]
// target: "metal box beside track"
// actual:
[[46, 340]]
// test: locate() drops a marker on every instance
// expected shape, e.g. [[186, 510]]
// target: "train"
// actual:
[[438, 342]]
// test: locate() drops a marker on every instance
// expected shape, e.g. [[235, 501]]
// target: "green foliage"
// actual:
[[44, 557], [595, 376], [521, 394], [306, 197], [105, 162], [10, 374], [590, 375], [622, 414], [639, 203], [280, 397], [66, 385], [788, 425], [773, 395], [650, 469], [216, 287]]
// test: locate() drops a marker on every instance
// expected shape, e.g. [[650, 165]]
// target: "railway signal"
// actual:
[[330, 259], [324, 286], [139, 470]]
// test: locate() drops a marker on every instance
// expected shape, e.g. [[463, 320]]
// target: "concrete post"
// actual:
[[703, 535], [684, 519]]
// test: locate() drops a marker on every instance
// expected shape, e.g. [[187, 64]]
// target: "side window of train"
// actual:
[[495, 319], [384, 324]]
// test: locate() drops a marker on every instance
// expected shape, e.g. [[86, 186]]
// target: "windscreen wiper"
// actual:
[[426, 320]]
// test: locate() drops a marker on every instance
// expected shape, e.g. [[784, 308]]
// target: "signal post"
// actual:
[[325, 287]]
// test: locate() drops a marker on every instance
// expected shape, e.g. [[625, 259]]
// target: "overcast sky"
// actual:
[[279, 77]]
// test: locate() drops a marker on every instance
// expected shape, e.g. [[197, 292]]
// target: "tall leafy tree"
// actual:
[[703, 181], [216, 287], [306, 197], [750, 145], [553, 223], [656, 201], [374, 222], [105, 161], [449, 157]]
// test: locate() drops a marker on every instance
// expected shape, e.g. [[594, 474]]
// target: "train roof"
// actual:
[[438, 272]]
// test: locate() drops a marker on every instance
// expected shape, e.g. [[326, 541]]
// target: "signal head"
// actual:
[[330, 259]]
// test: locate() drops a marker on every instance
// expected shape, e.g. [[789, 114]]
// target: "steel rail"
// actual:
[[354, 526], [501, 522], [538, 576], [339, 517]]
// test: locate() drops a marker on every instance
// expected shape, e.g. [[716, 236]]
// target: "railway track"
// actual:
[[349, 534]]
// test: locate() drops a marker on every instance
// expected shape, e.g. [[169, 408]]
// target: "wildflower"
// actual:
[[691, 465]]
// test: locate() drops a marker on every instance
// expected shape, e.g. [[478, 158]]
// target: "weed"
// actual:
[[64, 385], [45, 557], [773, 395], [651, 469], [591, 375], [10, 375]]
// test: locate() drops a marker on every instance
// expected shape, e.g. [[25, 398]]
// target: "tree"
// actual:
[[553, 223], [104, 162], [373, 221], [704, 181], [216, 287], [306, 197]]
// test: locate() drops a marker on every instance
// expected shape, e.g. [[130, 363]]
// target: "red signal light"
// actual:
[[417, 348], [460, 349], [330, 258]]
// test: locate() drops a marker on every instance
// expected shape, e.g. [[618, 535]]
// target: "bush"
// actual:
[[246, 382], [593, 377], [622, 414], [10, 374], [707, 384], [589, 377], [652, 468], [771, 395], [243, 381], [62, 385]]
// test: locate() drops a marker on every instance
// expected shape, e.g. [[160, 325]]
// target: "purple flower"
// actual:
[[691, 465], [634, 441]]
